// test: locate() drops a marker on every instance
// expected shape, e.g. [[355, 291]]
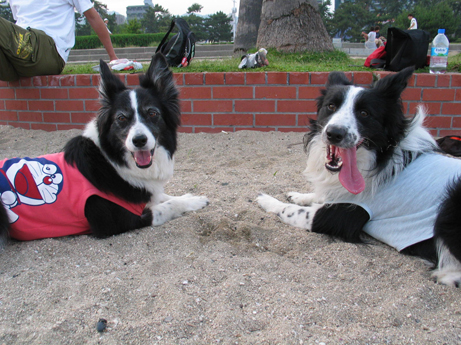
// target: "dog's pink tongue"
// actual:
[[142, 157], [350, 176]]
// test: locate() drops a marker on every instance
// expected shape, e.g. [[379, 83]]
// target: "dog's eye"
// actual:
[[363, 113], [152, 113], [331, 107], [121, 118]]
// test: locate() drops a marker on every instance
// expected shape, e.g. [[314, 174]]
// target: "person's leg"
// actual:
[[28, 52]]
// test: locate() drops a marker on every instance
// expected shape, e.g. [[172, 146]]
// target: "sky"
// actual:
[[176, 7]]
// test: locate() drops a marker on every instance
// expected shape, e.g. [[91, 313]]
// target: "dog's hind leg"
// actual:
[[447, 235], [175, 206], [299, 216]]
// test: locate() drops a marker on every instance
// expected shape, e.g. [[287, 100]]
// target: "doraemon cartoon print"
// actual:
[[29, 181]]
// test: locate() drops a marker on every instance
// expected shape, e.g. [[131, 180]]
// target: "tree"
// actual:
[[197, 26], [293, 26], [155, 19], [82, 27], [195, 8], [218, 27], [248, 25], [133, 27], [342, 25], [5, 12]]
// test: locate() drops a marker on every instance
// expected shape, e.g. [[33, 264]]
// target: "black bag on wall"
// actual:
[[406, 48]]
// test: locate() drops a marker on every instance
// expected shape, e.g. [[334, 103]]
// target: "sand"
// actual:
[[229, 273]]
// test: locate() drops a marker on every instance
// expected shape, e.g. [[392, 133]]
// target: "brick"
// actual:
[[24, 82], [363, 78], [432, 108], [412, 94], [81, 117], [3, 83], [455, 79], [186, 106], [70, 126], [185, 129], [309, 92], [41, 105], [7, 93], [258, 129], [43, 126], [54, 80], [305, 120], [443, 133], [83, 93], [24, 125], [6, 115], [451, 108], [2, 105], [426, 80], [14, 83], [259, 106], [438, 121], [233, 119], [56, 117], [438, 95], [29, 116], [67, 80], [298, 78], [233, 92], [443, 80], [193, 79], [41, 80], [292, 129], [196, 119], [319, 78], [27, 93], [96, 79], [69, 105], [16, 105], [277, 78], [54, 93], [275, 120], [278, 92], [234, 78], [253, 78], [132, 79], [195, 93], [178, 78], [458, 95], [91, 105], [214, 78], [83, 80], [297, 106], [212, 129], [212, 106], [456, 122]]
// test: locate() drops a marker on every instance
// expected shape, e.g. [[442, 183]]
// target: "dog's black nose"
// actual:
[[140, 140], [335, 134]]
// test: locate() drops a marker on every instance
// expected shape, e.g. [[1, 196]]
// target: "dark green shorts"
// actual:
[[26, 53]]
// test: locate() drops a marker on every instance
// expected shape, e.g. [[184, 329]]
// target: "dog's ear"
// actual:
[[110, 85], [159, 76], [337, 78], [392, 86]]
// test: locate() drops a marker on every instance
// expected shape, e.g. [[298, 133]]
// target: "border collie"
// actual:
[[108, 180], [375, 171]]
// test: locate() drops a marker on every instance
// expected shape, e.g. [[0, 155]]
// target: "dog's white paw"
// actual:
[[301, 199], [268, 203], [448, 277], [194, 203]]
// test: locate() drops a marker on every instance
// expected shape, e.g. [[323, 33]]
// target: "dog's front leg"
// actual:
[[175, 206], [301, 199], [299, 216]]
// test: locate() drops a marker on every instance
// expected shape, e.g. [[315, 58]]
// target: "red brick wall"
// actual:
[[213, 102]]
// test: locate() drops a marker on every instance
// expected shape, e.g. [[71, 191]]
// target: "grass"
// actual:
[[278, 62]]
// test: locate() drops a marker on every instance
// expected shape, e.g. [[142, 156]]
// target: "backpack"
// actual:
[[406, 48], [376, 59], [180, 49]]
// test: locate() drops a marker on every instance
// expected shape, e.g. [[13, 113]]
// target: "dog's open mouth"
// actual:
[[143, 159], [344, 161]]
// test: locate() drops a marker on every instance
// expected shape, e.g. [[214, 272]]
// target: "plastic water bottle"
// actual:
[[439, 53]]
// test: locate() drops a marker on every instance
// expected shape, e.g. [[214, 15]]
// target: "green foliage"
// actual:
[[119, 40], [155, 19], [343, 26], [197, 26], [218, 27], [82, 27], [133, 27], [5, 12], [195, 8]]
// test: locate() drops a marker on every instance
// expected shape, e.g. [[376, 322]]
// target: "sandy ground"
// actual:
[[228, 274]]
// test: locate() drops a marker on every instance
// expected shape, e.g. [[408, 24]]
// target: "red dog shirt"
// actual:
[[45, 197]]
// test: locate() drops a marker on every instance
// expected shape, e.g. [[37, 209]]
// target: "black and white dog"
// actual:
[[373, 170], [110, 179]]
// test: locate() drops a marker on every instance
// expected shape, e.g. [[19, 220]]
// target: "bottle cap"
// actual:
[[441, 31]]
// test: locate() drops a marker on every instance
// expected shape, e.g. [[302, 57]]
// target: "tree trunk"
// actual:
[[292, 26], [248, 25]]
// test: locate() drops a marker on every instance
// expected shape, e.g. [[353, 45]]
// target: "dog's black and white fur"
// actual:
[[371, 123], [127, 151]]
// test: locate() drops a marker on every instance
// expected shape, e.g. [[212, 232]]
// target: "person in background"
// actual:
[[106, 22], [40, 41], [379, 40], [413, 23], [370, 38]]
